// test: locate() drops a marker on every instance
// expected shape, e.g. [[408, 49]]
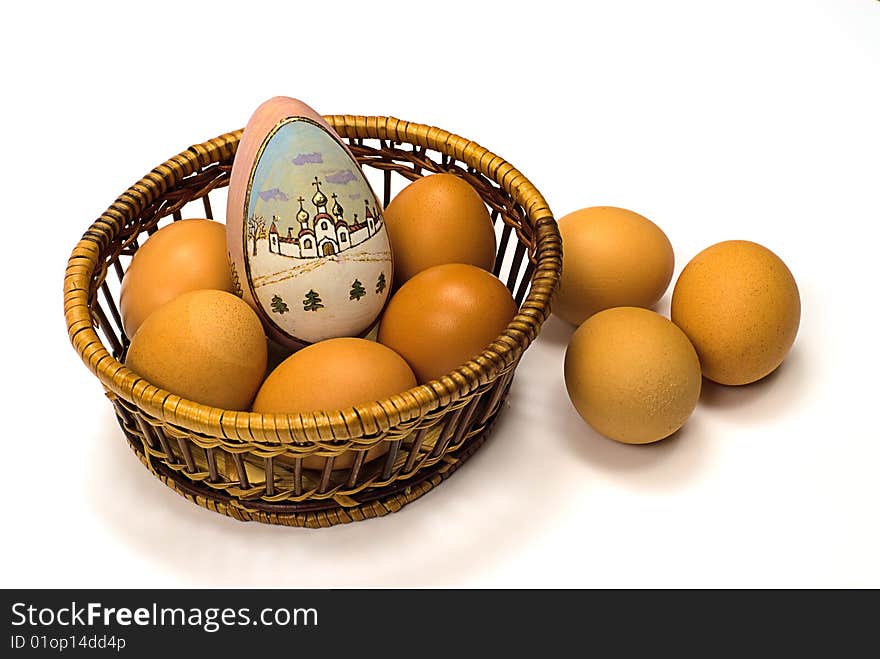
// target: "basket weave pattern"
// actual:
[[248, 465]]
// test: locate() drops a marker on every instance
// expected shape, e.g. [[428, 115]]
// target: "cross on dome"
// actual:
[[302, 215], [337, 209], [319, 199]]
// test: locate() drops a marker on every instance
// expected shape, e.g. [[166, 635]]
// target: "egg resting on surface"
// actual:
[[305, 232], [331, 375], [739, 304], [183, 256], [612, 257], [207, 346], [439, 219], [632, 375], [444, 316]]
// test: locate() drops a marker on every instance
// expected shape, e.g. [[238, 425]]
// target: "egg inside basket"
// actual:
[[250, 466]]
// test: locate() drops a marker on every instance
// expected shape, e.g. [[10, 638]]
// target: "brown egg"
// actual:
[[438, 219], [207, 346], [632, 375], [612, 257], [444, 316], [740, 306], [186, 255], [332, 375]]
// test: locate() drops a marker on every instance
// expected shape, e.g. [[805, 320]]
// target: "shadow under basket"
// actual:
[[250, 466]]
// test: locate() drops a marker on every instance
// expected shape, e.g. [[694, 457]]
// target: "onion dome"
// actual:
[[302, 215], [319, 199], [337, 209]]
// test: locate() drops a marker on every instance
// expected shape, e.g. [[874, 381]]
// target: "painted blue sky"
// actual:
[[296, 153]]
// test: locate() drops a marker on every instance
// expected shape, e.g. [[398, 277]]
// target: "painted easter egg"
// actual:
[[305, 232]]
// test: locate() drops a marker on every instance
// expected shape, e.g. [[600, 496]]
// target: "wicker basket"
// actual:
[[228, 461]]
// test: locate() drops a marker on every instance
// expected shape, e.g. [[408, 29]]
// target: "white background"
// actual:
[[757, 120]]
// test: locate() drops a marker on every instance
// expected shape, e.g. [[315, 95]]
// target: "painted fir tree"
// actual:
[[357, 290], [279, 305], [313, 301], [236, 283], [380, 283]]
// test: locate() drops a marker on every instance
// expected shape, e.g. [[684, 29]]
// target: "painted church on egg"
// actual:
[[323, 234]]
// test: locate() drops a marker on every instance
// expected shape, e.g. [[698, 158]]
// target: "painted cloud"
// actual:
[[308, 158], [341, 177], [273, 193]]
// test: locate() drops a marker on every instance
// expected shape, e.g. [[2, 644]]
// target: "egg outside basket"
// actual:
[[228, 461]]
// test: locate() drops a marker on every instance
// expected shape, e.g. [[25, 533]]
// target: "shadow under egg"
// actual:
[[666, 464], [556, 331], [764, 399]]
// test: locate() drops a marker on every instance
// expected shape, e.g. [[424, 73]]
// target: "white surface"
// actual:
[[754, 120]]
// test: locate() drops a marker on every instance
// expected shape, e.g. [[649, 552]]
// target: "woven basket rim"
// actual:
[[362, 424]]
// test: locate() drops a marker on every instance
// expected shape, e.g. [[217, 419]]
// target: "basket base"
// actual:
[[375, 503]]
